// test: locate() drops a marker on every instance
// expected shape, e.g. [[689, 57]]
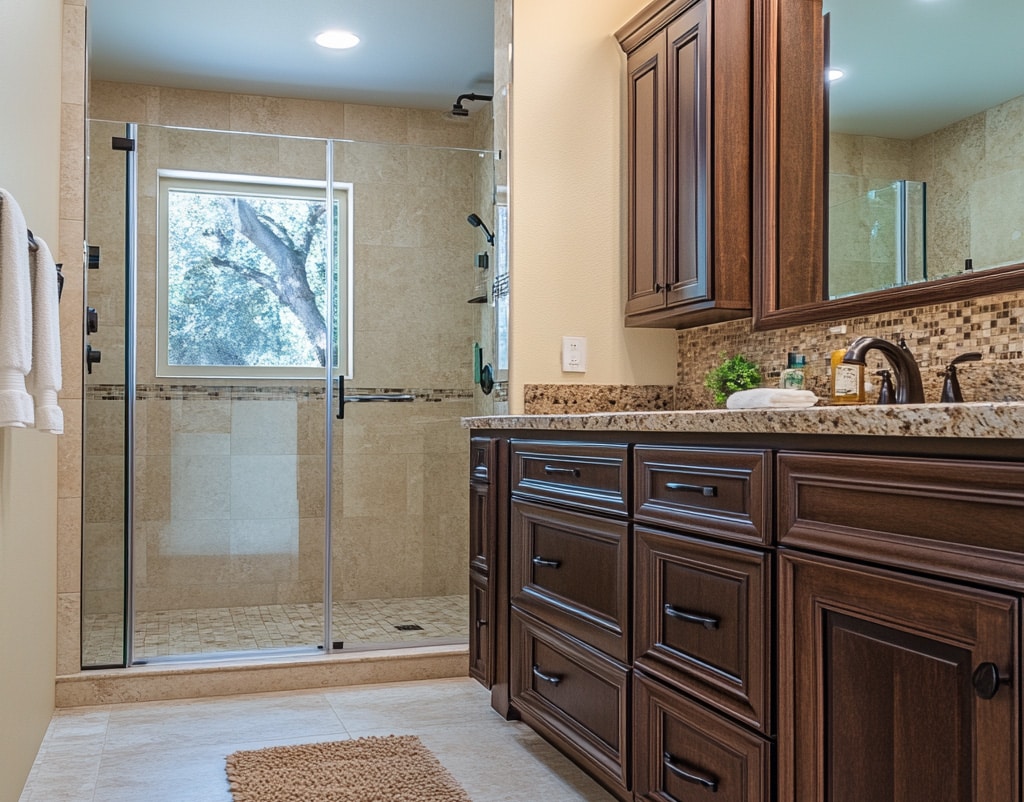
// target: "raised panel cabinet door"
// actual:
[[480, 665], [647, 127], [481, 517], [689, 87], [893, 687]]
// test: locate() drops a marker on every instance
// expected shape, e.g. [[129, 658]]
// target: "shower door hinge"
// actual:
[[122, 143]]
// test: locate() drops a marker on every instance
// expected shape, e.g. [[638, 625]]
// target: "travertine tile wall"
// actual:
[[72, 228], [399, 494]]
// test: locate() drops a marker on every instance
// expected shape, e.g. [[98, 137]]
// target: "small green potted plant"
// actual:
[[737, 373]]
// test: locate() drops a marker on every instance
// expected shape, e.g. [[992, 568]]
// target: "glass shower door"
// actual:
[[223, 395], [399, 507]]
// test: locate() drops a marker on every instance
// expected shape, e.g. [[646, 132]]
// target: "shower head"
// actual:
[[458, 110], [476, 222]]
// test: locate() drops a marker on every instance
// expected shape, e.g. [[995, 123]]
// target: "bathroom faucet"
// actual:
[[906, 374]]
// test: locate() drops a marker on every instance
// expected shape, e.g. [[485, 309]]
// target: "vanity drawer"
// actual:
[[957, 518], [483, 457], [575, 697], [719, 492], [685, 753], [703, 621], [592, 476], [572, 571]]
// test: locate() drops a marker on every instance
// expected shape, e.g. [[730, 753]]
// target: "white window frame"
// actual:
[[285, 187]]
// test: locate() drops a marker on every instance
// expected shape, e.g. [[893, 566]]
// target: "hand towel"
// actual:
[[16, 406], [768, 397], [44, 379]]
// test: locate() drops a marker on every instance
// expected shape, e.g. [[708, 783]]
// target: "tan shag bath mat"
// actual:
[[392, 768]]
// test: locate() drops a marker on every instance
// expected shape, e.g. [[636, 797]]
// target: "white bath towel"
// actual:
[[44, 379], [16, 406], [770, 398]]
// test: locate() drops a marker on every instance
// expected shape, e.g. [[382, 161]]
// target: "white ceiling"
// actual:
[[413, 53], [914, 66]]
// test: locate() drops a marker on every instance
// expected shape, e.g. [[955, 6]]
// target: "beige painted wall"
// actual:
[[30, 40], [567, 212]]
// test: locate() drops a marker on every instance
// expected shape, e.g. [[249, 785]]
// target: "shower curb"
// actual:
[[204, 680]]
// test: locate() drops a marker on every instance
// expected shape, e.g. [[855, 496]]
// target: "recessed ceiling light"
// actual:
[[834, 73], [337, 40]]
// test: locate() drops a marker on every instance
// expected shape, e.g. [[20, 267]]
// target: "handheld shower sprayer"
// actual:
[[476, 222], [458, 110]]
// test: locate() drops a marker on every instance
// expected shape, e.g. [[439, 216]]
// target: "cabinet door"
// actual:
[[882, 687], [647, 129], [479, 630], [689, 119]]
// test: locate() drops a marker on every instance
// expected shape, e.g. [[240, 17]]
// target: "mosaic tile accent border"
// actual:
[[243, 392], [580, 399]]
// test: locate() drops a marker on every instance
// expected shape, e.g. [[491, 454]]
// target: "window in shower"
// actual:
[[243, 279]]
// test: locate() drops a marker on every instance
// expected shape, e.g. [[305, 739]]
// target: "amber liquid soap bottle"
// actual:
[[847, 381]]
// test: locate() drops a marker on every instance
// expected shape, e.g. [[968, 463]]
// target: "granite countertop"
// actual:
[[975, 420]]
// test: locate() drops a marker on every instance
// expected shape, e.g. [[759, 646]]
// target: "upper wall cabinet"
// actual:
[[689, 106]]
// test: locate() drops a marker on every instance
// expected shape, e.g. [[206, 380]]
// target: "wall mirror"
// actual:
[[901, 182]]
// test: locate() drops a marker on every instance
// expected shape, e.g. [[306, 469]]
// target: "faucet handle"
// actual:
[[951, 393], [970, 356]]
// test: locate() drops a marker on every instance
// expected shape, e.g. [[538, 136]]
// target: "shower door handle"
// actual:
[[353, 399]]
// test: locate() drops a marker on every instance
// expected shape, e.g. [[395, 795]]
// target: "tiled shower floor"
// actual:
[[358, 624]]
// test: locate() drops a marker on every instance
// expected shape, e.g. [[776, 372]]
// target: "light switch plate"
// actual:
[[574, 354]]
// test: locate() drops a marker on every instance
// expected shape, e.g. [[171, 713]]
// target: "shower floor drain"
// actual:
[[408, 627]]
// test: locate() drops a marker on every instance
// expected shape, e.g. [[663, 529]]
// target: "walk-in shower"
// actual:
[[226, 507]]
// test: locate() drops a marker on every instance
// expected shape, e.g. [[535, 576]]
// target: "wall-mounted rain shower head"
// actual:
[[476, 222], [458, 110]]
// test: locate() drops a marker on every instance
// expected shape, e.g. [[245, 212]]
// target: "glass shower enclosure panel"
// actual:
[[876, 234], [223, 316], [399, 494]]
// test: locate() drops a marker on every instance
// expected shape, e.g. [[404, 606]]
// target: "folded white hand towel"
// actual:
[[16, 407], [768, 397], [44, 379]]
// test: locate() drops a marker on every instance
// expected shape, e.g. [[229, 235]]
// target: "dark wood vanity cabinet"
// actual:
[[765, 624], [899, 628], [689, 154]]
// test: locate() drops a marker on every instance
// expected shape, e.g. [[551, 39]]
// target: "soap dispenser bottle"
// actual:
[[792, 378], [951, 393]]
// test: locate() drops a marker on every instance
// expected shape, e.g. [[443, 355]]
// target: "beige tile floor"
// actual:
[[358, 623], [175, 751]]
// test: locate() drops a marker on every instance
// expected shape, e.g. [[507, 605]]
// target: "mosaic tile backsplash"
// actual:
[[993, 326]]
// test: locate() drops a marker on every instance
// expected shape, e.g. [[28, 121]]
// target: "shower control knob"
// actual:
[[92, 320], [92, 357]]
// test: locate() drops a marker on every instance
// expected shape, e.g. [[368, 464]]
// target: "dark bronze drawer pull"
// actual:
[[546, 677], [694, 618], [703, 780], [705, 490], [546, 563], [481, 622], [987, 679], [550, 469]]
